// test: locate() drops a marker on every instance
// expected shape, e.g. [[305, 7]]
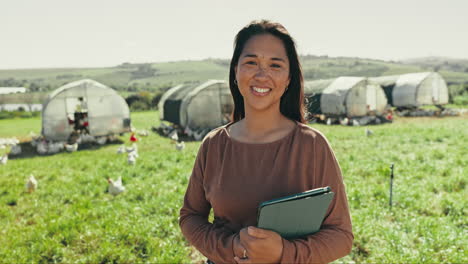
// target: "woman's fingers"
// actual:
[[258, 232], [241, 261]]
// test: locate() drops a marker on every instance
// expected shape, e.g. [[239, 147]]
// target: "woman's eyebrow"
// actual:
[[250, 55], [255, 56], [278, 59]]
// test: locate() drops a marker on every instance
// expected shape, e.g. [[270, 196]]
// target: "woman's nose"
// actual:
[[262, 72]]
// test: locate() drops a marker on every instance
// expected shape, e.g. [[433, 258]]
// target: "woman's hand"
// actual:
[[237, 247], [261, 246]]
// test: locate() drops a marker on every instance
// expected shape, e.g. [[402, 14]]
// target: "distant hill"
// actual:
[[439, 64], [153, 77]]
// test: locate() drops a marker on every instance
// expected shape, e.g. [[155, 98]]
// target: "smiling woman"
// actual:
[[262, 73], [266, 152]]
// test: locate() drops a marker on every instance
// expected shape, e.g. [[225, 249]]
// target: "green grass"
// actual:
[[71, 218]]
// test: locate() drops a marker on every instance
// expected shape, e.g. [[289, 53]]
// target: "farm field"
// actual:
[[72, 219]]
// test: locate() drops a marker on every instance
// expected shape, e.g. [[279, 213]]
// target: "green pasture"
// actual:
[[72, 219]]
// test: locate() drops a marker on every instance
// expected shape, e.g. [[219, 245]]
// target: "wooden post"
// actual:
[[391, 184]]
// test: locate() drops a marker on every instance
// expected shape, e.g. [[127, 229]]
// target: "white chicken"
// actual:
[[121, 149], [133, 148], [143, 133], [368, 132], [55, 147], [131, 158], [31, 184], [4, 159], [188, 131], [329, 121], [101, 140], [180, 146], [71, 147], [344, 121], [115, 187], [15, 150], [173, 135], [355, 122], [35, 141], [42, 147], [198, 135], [111, 138], [86, 138]]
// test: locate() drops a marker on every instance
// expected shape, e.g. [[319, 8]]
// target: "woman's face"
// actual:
[[262, 73]]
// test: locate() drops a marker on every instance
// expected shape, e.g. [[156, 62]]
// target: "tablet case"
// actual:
[[295, 215]]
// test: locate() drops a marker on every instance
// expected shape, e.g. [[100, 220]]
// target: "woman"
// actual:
[[265, 153]]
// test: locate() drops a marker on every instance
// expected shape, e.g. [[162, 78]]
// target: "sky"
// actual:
[[102, 33]]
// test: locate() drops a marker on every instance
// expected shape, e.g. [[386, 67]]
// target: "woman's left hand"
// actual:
[[262, 246]]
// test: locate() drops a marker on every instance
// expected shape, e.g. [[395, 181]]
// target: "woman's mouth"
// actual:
[[260, 91]]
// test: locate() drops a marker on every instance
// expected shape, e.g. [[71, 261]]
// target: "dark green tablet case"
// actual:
[[295, 215]]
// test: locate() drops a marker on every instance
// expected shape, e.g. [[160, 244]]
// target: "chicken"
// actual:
[[121, 149], [355, 122], [4, 159], [180, 146], [188, 131], [143, 133], [368, 132], [15, 150], [31, 184], [173, 135], [71, 147], [344, 121], [133, 148], [111, 138], [86, 138], [42, 147], [101, 140], [35, 141], [115, 187], [198, 135], [131, 158], [329, 121], [55, 147]]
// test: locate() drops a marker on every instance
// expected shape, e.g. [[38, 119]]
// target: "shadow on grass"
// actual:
[[28, 151]]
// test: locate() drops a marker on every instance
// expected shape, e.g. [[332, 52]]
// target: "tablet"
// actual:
[[295, 215]]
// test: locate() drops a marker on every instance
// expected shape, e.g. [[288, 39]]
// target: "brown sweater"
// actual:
[[234, 177]]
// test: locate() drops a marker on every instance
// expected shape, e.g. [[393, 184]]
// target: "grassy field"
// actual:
[[71, 218]]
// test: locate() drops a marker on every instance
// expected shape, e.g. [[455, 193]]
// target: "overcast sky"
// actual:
[[95, 33]]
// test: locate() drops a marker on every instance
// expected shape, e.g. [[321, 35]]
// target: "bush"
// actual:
[[461, 100], [139, 106], [18, 114]]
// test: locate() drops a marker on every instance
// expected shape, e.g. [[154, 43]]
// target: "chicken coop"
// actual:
[[344, 96], [87, 106], [414, 89], [197, 107]]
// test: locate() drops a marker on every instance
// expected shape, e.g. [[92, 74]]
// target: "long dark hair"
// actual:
[[292, 102]]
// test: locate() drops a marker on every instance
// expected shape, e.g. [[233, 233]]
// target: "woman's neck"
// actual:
[[262, 127]]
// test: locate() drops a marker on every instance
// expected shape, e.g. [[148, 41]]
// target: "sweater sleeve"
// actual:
[[335, 238], [215, 242]]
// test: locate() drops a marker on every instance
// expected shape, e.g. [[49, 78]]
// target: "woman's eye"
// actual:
[[251, 63], [276, 66]]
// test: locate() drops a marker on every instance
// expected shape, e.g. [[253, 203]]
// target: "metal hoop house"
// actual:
[[414, 89], [197, 107], [107, 112], [345, 96]]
